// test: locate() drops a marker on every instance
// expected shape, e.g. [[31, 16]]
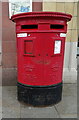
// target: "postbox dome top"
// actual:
[[42, 14]]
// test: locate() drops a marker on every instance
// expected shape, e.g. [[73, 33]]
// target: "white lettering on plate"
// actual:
[[62, 34], [22, 35]]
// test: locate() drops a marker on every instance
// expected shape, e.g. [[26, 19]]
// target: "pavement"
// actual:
[[12, 108]]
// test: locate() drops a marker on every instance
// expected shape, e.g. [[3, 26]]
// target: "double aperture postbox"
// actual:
[[40, 50]]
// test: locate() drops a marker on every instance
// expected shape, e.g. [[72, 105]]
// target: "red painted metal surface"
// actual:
[[40, 47]]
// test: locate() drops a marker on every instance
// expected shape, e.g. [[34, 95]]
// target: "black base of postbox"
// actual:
[[40, 96]]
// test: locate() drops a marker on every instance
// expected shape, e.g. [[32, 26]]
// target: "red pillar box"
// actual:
[[40, 53]]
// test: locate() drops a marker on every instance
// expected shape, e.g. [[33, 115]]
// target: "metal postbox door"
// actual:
[[53, 58], [30, 60]]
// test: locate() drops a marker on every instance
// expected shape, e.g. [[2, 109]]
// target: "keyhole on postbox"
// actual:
[[46, 54], [28, 47]]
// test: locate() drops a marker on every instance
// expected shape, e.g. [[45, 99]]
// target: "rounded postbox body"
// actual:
[[40, 54]]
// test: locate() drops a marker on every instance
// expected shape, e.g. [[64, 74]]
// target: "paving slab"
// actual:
[[10, 105], [67, 108], [70, 90], [38, 112], [69, 115]]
